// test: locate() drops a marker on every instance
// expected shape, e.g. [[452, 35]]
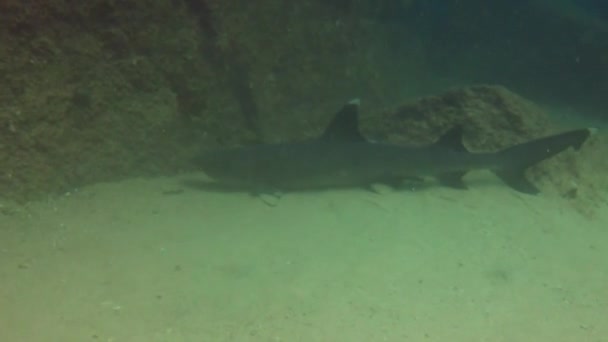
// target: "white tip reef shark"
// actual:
[[343, 157]]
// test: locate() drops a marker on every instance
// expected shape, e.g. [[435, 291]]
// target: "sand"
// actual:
[[138, 261]]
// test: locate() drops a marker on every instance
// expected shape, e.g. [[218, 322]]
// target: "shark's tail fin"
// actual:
[[513, 161]]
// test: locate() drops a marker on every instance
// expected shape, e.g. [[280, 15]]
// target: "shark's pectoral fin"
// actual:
[[517, 180], [395, 183], [452, 139], [453, 180], [270, 197], [411, 183], [376, 188], [398, 182]]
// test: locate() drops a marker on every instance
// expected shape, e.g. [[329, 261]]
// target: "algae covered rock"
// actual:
[[493, 118]]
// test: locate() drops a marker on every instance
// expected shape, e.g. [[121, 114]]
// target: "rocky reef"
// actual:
[[103, 90]]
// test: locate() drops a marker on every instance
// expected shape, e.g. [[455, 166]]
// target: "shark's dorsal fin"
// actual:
[[345, 124], [452, 139]]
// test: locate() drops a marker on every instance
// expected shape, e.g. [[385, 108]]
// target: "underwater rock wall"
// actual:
[[494, 118], [551, 50], [102, 90], [83, 94]]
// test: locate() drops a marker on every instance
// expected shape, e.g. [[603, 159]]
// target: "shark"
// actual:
[[343, 157]]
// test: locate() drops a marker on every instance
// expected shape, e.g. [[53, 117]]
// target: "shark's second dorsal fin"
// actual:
[[345, 124], [452, 139]]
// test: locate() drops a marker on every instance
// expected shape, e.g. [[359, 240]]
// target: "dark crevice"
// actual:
[[235, 72]]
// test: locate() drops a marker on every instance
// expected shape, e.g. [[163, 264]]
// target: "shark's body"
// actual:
[[342, 157]]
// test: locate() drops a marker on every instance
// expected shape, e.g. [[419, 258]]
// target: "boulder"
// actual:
[[494, 118]]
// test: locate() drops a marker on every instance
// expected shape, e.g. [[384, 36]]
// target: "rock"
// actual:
[[493, 118]]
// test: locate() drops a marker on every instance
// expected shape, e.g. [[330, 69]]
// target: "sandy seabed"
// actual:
[[141, 260]]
